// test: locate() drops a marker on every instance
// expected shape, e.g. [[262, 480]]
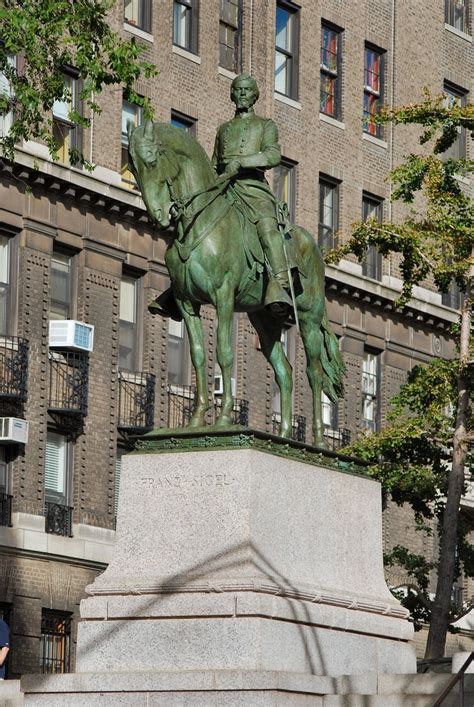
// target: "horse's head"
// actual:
[[155, 165]]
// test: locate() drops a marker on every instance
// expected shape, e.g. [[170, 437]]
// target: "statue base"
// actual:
[[242, 553]]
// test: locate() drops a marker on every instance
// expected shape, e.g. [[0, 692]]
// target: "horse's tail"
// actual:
[[332, 363]]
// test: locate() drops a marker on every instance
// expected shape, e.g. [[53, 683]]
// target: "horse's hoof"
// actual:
[[285, 431], [197, 422], [224, 421]]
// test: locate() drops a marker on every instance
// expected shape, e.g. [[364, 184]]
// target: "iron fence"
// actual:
[[55, 647], [13, 367], [136, 401], [5, 509], [68, 382], [182, 403], [58, 519]]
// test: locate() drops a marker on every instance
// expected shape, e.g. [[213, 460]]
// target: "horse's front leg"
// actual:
[[192, 320], [225, 355]]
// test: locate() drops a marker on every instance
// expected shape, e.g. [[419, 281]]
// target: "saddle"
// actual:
[[165, 304]]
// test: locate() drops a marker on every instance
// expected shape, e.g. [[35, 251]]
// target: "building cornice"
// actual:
[[380, 296]]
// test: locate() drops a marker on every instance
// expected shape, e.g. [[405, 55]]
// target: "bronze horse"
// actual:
[[210, 261]]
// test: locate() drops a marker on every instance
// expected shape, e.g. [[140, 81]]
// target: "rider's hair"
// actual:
[[245, 77]]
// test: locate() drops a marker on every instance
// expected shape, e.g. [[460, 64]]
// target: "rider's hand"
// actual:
[[232, 168]]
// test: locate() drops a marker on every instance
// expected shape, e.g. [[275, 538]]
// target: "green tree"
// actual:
[[46, 36], [421, 456]]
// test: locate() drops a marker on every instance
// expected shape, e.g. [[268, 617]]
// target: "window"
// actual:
[[5, 497], [133, 114], [65, 132], [118, 469], [57, 468], [370, 391], [230, 29], [455, 95], [6, 118], [372, 208], [453, 297], [329, 413], [5, 257], [330, 70], [456, 14], [61, 286], [129, 334], [286, 49], [185, 24], [138, 14], [55, 646], [179, 120], [178, 354], [284, 183], [373, 89], [328, 213]]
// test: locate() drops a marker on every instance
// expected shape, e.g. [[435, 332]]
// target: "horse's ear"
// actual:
[[130, 128], [148, 133]]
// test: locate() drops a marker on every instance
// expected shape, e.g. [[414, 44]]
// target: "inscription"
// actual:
[[179, 481]]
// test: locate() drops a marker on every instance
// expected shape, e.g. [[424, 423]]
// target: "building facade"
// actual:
[[78, 247]]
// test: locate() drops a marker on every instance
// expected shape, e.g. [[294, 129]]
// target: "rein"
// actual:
[[180, 206]]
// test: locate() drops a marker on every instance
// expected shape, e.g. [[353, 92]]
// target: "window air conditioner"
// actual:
[[12, 429], [219, 385], [69, 334]]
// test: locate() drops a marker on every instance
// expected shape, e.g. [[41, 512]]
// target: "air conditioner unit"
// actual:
[[219, 385], [12, 429], [69, 334]]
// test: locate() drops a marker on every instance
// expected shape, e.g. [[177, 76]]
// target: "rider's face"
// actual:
[[243, 94]]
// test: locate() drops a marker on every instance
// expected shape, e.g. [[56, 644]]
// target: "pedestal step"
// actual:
[[239, 689]]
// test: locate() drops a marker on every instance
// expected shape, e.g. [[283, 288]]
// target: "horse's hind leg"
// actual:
[[225, 355], [313, 341], [269, 332], [192, 320]]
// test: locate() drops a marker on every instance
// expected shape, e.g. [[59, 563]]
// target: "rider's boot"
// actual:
[[277, 296]]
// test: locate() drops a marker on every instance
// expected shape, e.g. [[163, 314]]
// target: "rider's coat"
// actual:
[[253, 141]]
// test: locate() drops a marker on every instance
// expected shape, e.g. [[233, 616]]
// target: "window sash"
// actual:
[[284, 177], [456, 96], [328, 214], [183, 122], [178, 363], [138, 13], [56, 468], [286, 50], [6, 119], [61, 286], [373, 89], [128, 330], [329, 70], [456, 14], [372, 264], [185, 24]]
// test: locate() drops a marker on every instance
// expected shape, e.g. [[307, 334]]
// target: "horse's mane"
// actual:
[[182, 142]]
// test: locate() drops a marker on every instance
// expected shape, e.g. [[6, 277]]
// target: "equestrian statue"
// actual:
[[231, 245]]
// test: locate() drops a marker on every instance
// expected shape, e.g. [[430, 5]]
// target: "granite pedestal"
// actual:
[[242, 555]]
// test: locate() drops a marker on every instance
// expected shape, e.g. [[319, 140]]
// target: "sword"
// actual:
[[283, 208]]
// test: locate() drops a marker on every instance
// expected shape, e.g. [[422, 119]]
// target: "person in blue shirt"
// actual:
[[4, 647]]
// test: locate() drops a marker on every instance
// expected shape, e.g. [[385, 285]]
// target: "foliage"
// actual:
[[425, 445], [47, 37]]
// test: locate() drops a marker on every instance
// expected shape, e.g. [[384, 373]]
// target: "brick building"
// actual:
[[78, 246]]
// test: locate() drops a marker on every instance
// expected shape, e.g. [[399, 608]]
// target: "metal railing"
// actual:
[[336, 439], [5, 509], [458, 677], [182, 403], [136, 401], [13, 367], [58, 519], [55, 647], [240, 411], [68, 382]]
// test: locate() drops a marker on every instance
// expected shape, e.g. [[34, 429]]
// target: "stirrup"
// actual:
[[277, 295]]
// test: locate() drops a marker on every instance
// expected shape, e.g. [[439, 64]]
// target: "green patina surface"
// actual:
[[209, 438]]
